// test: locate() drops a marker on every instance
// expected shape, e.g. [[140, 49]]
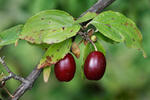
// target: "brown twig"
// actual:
[[11, 74], [26, 86], [99, 6]]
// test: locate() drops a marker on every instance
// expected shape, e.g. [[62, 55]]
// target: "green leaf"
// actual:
[[50, 26], [55, 52], [100, 36], [119, 28], [86, 17], [46, 74], [9, 36]]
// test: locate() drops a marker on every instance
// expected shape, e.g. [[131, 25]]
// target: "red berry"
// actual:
[[94, 66], [65, 68]]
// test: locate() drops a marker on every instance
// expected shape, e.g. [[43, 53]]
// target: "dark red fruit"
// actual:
[[65, 68], [94, 66]]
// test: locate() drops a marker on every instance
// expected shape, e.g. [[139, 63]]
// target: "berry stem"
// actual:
[[86, 37], [92, 43], [8, 92]]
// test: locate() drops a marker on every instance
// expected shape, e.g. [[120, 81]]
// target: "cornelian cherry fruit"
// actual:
[[94, 66], [65, 68]]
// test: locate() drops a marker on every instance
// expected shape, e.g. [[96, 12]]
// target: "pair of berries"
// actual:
[[94, 67]]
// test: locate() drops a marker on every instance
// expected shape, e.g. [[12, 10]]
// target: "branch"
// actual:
[[28, 82], [26, 86], [99, 6], [11, 74]]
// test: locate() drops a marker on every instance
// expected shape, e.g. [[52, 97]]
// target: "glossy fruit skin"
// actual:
[[94, 66], [65, 68]]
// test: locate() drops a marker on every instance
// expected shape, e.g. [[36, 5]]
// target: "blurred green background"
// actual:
[[127, 75]]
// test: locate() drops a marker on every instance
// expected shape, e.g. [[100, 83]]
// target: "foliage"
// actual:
[[55, 52], [116, 80], [51, 26], [10, 36], [54, 26], [117, 27]]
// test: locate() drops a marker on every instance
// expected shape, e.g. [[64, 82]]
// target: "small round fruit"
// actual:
[[93, 38], [65, 68], [94, 66]]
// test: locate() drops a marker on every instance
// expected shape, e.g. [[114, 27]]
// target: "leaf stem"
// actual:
[[8, 92]]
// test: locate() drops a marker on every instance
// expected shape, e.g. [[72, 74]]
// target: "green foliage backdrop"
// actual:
[[127, 74]]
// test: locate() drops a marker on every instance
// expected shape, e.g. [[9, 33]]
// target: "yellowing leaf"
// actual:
[[46, 74]]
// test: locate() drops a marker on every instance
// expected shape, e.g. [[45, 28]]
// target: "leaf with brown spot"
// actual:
[[63, 28], [126, 23], [52, 55], [118, 28], [42, 30], [42, 18], [10, 35], [108, 25], [50, 26], [53, 30], [57, 50]]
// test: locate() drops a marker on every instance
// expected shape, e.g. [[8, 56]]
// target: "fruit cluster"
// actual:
[[94, 67]]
